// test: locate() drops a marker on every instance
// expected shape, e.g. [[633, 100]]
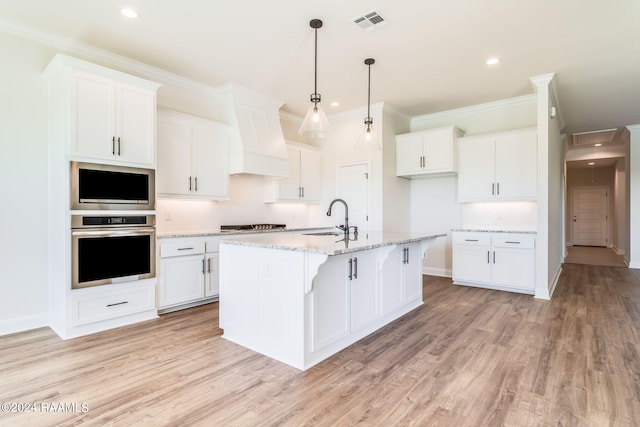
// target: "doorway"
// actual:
[[353, 187], [590, 216]]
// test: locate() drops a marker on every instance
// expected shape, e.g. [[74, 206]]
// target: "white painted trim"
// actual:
[[551, 290], [23, 323], [436, 271], [526, 99]]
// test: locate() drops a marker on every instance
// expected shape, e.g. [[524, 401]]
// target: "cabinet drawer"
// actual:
[[184, 247], [472, 239], [523, 241], [90, 308]]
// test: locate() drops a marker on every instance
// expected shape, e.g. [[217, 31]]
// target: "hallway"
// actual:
[[592, 255]]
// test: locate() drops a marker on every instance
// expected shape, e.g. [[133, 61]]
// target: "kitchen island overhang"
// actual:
[[301, 298]]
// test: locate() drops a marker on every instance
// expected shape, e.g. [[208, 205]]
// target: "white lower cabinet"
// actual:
[[345, 297], [402, 277], [503, 261], [188, 273]]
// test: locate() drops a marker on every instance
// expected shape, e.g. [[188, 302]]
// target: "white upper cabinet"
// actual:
[[192, 157], [110, 115], [429, 152], [303, 183], [500, 166]]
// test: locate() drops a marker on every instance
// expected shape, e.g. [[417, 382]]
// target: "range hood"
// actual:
[[256, 142]]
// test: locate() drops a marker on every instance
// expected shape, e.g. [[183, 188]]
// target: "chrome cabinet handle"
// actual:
[[117, 303], [202, 265], [494, 257], [113, 145], [185, 249], [118, 146], [350, 276], [189, 183], [355, 268], [488, 262], [209, 266], [515, 243], [196, 183], [498, 189], [493, 188], [470, 240], [302, 192]]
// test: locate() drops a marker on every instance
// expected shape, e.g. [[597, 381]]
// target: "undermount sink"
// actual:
[[323, 233]]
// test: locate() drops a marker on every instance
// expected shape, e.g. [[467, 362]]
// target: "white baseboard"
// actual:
[[433, 271], [24, 323]]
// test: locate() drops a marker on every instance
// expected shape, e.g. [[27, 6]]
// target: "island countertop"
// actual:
[[329, 245]]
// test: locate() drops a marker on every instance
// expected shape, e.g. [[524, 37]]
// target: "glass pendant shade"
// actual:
[[367, 141], [315, 123]]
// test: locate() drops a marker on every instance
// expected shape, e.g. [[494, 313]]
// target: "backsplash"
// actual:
[[500, 215], [245, 206]]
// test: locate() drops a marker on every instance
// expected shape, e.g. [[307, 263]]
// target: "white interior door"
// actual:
[[590, 216], [353, 188]]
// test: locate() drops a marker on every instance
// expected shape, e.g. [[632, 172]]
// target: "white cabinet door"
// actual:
[[135, 124], [391, 290], [476, 169], [513, 268], [516, 166], [181, 280], [411, 273], [409, 154], [112, 120], [209, 169], [330, 302], [212, 280], [472, 263], [174, 157], [310, 175], [288, 189], [364, 289], [93, 128]]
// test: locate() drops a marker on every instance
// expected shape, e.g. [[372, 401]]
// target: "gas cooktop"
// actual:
[[248, 227]]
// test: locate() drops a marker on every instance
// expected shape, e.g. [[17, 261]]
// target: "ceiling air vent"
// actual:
[[369, 21], [606, 136]]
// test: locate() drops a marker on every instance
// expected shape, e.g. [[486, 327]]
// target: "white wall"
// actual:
[[23, 185]]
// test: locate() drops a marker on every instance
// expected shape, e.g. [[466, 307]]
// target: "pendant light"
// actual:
[[368, 141], [315, 124]]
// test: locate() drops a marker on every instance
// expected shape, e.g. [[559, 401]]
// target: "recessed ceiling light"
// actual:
[[493, 61], [591, 163], [597, 145], [129, 13], [335, 104]]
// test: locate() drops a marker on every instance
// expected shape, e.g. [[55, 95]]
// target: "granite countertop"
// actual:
[[493, 230], [328, 245], [218, 233]]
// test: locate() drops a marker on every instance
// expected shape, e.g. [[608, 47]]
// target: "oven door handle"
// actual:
[[114, 232]]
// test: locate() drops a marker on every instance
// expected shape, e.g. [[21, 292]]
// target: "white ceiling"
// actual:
[[430, 55]]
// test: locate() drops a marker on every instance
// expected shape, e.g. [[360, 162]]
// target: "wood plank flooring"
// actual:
[[468, 357]]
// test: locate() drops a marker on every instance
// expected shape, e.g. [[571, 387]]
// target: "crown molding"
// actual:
[[86, 51], [495, 105]]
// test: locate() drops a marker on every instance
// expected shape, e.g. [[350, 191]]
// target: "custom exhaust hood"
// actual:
[[257, 144]]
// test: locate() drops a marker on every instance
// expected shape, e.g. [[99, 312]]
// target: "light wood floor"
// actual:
[[593, 255], [468, 357]]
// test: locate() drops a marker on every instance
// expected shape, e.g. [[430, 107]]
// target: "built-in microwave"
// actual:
[[107, 187]]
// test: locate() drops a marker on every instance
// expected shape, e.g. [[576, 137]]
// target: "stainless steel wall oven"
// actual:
[[107, 187], [110, 249]]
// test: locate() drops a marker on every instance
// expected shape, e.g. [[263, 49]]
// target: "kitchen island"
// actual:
[[300, 298]]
